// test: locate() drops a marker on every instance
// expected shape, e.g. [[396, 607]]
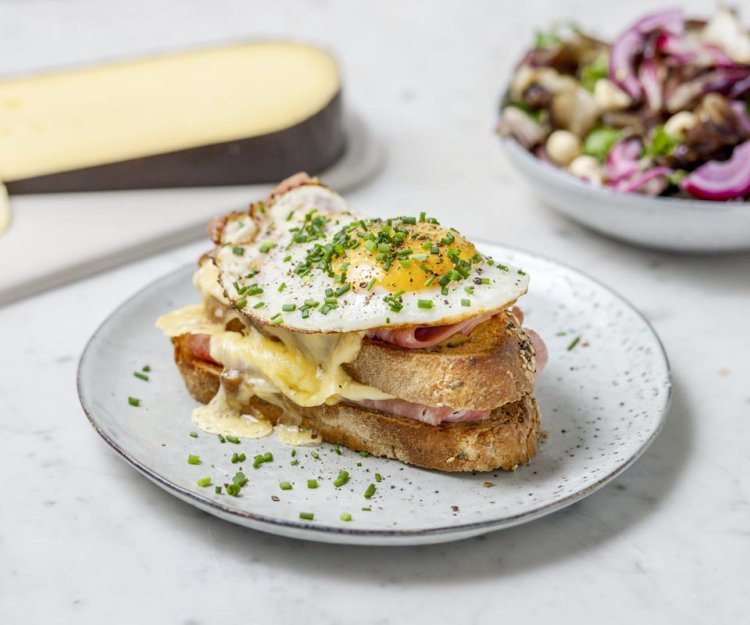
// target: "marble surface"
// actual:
[[85, 539]]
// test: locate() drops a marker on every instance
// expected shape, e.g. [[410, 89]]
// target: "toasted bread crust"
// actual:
[[505, 440], [492, 367]]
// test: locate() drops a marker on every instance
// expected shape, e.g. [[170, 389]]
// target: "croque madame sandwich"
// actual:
[[393, 337]]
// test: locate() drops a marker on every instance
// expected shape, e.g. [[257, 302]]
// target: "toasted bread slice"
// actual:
[[505, 440], [493, 366]]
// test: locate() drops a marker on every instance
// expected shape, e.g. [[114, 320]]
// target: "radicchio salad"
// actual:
[[663, 110]]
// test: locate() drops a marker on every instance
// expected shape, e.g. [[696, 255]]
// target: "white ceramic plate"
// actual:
[[664, 223], [602, 402]]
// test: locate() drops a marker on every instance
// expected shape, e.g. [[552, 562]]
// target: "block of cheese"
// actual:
[[239, 114]]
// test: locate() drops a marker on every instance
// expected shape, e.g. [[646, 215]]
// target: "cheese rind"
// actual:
[[238, 114]]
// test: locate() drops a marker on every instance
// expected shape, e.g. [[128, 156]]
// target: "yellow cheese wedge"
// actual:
[[244, 113]]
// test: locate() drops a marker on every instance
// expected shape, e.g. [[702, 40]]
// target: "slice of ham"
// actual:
[[422, 337], [426, 414], [199, 345]]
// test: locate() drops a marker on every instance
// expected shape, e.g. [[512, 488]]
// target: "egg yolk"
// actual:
[[417, 270]]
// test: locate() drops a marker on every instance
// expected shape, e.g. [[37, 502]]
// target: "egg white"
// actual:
[[257, 256]]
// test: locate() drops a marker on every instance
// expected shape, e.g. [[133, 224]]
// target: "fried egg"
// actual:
[[307, 263]]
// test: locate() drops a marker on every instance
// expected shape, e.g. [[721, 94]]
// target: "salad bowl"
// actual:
[[674, 224]]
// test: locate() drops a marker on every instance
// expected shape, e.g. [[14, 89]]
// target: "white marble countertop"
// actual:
[[85, 539]]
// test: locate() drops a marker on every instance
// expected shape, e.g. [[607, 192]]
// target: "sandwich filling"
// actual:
[[296, 285]]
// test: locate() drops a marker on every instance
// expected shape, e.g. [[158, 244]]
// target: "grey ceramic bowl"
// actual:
[[664, 223]]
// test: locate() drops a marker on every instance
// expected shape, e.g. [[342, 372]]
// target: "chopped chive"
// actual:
[[307, 516], [429, 281], [422, 217], [485, 280], [368, 509], [241, 457], [574, 342], [232, 439], [424, 303], [469, 290], [345, 516], [465, 302], [294, 463], [266, 247], [315, 455], [290, 215], [194, 434], [342, 289], [282, 286], [289, 307], [134, 401], [287, 258], [222, 439], [204, 481], [193, 459], [268, 457], [241, 303], [370, 491], [384, 247], [378, 477], [312, 483], [140, 376], [293, 453], [405, 262], [279, 319], [521, 272], [409, 220], [240, 479], [146, 368], [341, 479], [364, 454], [444, 290], [259, 305], [217, 490], [337, 449], [233, 489], [285, 485], [239, 251]]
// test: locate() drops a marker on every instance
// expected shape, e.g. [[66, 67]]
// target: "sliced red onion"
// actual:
[[633, 41], [652, 182], [743, 119], [648, 74], [676, 48], [724, 80], [721, 180], [622, 160], [740, 88]]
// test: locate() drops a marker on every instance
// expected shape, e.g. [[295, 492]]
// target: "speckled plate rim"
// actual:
[[308, 531], [518, 151]]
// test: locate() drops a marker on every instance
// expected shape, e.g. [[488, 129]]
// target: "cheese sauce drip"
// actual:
[[218, 417], [305, 368]]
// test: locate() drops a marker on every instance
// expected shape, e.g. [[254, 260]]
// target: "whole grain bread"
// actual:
[[493, 366], [505, 440]]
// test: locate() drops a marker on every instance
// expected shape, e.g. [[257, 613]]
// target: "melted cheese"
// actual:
[[188, 320], [218, 417], [296, 436], [305, 368]]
